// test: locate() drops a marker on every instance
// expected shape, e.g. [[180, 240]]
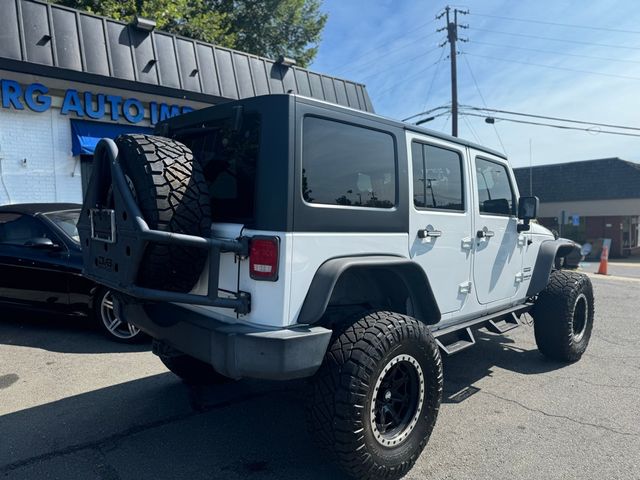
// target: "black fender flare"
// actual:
[[413, 276], [549, 250]]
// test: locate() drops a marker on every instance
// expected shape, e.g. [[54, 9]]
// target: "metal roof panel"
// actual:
[[73, 43]]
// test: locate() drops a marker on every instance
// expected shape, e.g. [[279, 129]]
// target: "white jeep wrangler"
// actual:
[[282, 237]]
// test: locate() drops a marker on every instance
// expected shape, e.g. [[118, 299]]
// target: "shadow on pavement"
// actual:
[[159, 428], [464, 369], [58, 333]]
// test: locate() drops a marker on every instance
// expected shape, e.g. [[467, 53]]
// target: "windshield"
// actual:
[[67, 222]]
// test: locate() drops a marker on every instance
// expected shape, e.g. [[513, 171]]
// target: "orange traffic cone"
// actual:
[[604, 261]]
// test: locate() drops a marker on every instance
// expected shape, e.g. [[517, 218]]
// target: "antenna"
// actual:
[[530, 168]]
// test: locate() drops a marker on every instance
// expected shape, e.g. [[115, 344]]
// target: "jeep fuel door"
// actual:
[[497, 253], [440, 225]]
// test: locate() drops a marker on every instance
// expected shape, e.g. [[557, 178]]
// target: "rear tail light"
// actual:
[[263, 258]]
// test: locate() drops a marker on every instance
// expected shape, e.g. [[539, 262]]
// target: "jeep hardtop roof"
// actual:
[[199, 116]]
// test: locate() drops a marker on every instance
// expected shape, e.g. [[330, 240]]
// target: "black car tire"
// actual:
[[563, 316], [172, 194], [114, 328], [351, 396], [189, 369]]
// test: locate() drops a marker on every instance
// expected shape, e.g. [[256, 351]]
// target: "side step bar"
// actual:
[[504, 325], [456, 341], [455, 338]]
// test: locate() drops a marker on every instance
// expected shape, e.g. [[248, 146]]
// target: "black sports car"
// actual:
[[41, 265]]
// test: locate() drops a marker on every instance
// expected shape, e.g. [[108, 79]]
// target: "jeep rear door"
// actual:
[[440, 232], [497, 251], [227, 146]]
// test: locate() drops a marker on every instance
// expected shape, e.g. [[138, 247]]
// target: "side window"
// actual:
[[495, 194], [347, 165], [437, 178], [17, 229]]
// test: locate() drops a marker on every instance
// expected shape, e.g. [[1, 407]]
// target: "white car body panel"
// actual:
[[496, 270], [449, 256]]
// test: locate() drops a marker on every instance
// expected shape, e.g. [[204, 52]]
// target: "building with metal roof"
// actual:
[[68, 78], [589, 200]]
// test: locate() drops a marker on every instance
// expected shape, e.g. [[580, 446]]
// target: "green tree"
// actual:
[[263, 27], [276, 27]]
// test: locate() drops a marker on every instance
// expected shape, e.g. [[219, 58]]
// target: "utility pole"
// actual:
[[452, 38]]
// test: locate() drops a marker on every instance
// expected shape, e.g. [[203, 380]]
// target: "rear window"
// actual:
[[347, 165], [229, 156]]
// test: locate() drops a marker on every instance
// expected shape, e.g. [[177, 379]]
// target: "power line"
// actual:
[[556, 24], [446, 120], [562, 127], [395, 65], [433, 79], [555, 52], [626, 77], [563, 40], [546, 117], [504, 150], [426, 112], [376, 49], [466, 121], [377, 59], [406, 79], [429, 119]]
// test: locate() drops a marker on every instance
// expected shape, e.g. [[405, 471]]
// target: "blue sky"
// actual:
[[390, 45]]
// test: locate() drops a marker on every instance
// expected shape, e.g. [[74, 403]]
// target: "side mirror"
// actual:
[[41, 244], [527, 211]]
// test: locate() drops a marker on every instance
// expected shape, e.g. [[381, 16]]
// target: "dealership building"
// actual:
[[589, 201], [69, 78]]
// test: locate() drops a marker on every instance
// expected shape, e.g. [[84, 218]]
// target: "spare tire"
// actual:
[[170, 189]]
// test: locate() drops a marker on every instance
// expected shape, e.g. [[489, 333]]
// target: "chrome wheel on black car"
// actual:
[[114, 327]]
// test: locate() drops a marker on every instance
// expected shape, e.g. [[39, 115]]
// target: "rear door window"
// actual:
[[437, 178], [347, 165]]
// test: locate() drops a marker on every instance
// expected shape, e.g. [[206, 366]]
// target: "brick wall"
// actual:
[[50, 173], [593, 229], [607, 227]]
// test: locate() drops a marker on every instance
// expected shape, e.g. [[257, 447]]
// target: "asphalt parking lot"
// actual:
[[616, 268], [75, 406]]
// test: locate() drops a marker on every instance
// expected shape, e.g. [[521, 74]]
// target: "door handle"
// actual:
[[424, 233], [485, 233]]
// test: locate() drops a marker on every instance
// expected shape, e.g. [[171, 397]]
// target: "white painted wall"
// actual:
[[35, 157], [592, 208]]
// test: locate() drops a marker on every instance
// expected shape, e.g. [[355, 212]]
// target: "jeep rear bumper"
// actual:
[[233, 350]]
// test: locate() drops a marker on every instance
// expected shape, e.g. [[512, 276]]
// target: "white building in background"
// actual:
[[68, 78]]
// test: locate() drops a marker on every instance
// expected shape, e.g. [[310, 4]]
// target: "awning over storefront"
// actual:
[[85, 135]]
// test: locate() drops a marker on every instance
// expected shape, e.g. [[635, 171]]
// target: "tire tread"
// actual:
[[338, 390]]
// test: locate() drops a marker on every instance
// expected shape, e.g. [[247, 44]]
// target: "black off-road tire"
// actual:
[[189, 369], [346, 392], [172, 194], [563, 316]]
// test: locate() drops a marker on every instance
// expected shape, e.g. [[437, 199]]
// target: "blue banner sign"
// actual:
[[88, 105]]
